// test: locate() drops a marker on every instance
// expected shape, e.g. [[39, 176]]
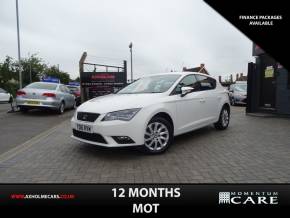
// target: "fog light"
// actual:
[[123, 139]]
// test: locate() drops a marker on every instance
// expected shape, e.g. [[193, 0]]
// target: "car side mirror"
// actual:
[[185, 90]]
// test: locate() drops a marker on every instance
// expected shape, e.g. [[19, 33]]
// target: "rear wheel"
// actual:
[[23, 109], [61, 108], [224, 119], [158, 136], [74, 105], [233, 103]]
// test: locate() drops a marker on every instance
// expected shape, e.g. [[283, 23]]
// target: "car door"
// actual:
[[210, 98], [62, 95], [190, 108], [70, 96]]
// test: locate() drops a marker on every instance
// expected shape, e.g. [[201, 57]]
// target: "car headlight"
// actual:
[[124, 115]]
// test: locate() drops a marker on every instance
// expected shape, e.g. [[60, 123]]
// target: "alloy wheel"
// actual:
[[225, 117], [156, 136]]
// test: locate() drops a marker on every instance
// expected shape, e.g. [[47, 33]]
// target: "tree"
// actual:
[[53, 71], [77, 79], [32, 69], [7, 70], [8, 73]]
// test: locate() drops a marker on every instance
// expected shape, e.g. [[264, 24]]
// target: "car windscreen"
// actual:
[[151, 84], [48, 86], [241, 87]]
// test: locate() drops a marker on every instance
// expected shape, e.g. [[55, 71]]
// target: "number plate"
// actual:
[[33, 102], [84, 128]]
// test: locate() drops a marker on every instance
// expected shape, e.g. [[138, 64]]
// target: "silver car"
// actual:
[[238, 93], [45, 95]]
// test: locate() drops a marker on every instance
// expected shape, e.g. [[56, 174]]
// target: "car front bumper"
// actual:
[[38, 103], [107, 130]]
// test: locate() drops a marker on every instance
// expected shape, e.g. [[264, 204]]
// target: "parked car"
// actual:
[[152, 110], [76, 91], [5, 97], [238, 93], [45, 95]]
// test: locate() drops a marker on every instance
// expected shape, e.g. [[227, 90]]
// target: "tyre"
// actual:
[[74, 105], [61, 108], [224, 119], [78, 102], [158, 136], [23, 109], [233, 102]]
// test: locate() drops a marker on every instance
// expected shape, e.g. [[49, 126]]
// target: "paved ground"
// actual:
[[252, 149], [16, 128]]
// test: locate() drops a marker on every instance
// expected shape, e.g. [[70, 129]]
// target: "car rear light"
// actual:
[[51, 95], [20, 93], [77, 94]]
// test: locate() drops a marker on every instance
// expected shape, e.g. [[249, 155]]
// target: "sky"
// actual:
[[166, 35]]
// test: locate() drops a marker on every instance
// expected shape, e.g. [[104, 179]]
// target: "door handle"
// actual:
[[201, 100]]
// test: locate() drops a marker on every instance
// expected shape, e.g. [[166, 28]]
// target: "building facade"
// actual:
[[268, 85]]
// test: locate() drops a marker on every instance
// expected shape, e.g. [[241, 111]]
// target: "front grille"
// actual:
[[95, 137], [89, 117]]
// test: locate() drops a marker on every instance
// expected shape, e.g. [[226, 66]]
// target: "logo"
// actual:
[[256, 198], [224, 198]]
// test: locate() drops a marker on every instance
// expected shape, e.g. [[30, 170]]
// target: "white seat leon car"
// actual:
[[152, 110]]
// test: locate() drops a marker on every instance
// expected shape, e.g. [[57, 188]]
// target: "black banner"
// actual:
[[103, 83], [157, 199], [264, 22]]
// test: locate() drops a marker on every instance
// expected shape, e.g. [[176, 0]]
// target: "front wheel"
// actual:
[[158, 136], [224, 119]]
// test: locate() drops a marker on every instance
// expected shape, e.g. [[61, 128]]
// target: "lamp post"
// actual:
[[18, 41], [131, 46]]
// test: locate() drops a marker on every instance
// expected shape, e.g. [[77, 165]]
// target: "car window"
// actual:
[[66, 89], [189, 80], [240, 87], [2, 91], [40, 85], [62, 88], [206, 83], [73, 88]]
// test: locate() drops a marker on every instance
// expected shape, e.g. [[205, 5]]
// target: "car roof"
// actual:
[[47, 83], [178, 73]]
